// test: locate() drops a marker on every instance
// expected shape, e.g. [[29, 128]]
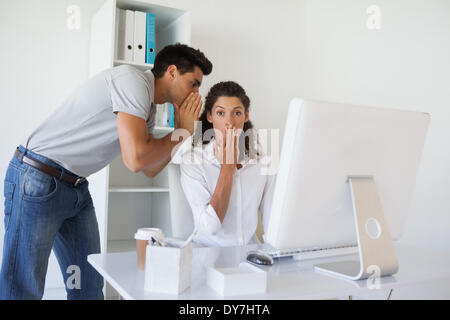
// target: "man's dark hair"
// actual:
[[184, 57]]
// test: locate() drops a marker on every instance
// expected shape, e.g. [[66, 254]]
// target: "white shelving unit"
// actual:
[[126, 201]]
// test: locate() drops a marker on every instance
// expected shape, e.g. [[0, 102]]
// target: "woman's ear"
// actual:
[[208, 116], [247, 115]]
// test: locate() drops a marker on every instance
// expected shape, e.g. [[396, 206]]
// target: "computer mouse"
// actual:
[[259, 257]]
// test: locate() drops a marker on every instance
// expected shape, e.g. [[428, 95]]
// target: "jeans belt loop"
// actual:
[[63, 172], [22, 154]]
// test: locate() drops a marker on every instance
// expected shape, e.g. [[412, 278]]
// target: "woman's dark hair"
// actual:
[[225, 89], [184, 57]]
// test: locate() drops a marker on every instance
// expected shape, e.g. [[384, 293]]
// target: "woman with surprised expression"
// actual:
[[227, 187]]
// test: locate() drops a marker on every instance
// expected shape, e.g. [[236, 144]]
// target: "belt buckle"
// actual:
[[79, 181]]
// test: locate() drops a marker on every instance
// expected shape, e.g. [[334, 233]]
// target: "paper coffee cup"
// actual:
[[143, 236], [148, 233]]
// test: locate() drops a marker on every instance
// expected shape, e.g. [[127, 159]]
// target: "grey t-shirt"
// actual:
[[81, 135]]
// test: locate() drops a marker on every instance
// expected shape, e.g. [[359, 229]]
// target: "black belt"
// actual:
[[74, 180]]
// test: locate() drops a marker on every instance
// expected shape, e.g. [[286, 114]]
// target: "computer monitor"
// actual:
[[315, 203]]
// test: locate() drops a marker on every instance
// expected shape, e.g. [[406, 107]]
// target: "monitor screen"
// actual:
[[325, 143]]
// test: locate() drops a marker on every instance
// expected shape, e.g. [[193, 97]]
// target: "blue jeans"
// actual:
[[41, 213]]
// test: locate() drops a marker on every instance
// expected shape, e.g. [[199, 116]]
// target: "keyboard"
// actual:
[[311, 253]]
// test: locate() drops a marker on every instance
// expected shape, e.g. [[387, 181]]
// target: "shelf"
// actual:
[[141, 66], [137, 189], [160, 132], [163, 129], [165, 15]]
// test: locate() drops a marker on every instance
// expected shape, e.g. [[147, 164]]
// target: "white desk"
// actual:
[[287, 278]]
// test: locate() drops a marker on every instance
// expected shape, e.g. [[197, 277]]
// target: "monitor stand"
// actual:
[[376, 250]]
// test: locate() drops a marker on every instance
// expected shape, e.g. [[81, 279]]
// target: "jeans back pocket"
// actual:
[[8, 192]]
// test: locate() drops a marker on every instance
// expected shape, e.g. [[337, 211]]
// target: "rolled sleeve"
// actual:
[[198, 195]]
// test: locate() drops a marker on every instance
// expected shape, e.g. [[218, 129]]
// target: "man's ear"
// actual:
[[172, 71]]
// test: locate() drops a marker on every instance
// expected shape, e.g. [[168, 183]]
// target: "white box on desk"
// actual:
[[167, 269], [244, 279]]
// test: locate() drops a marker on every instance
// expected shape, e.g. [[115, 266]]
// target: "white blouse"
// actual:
[[251, 190]]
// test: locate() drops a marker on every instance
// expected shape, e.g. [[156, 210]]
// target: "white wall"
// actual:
[[322, 49], [258, 44], [277, 50], [404, 65], [41, 62]]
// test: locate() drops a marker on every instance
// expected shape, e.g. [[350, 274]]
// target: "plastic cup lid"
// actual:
[[147, 233]]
